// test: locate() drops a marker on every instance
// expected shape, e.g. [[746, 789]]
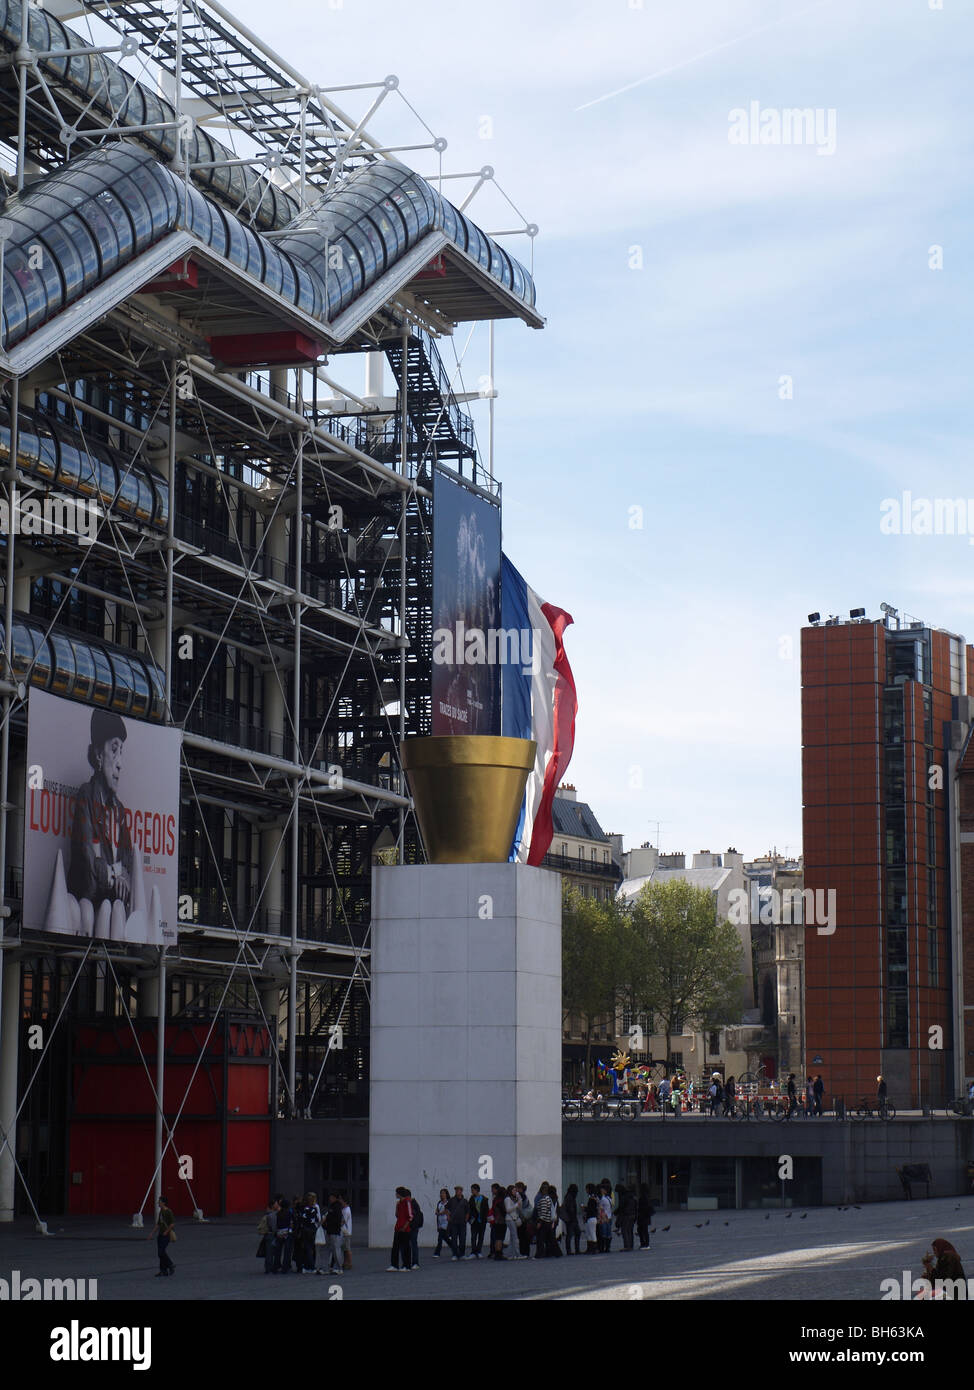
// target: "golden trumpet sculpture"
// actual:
[[467, 790]]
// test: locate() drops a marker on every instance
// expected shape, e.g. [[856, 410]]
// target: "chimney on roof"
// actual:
[[567, 792]]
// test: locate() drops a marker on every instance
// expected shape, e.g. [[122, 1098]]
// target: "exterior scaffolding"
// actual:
[[261, 576]]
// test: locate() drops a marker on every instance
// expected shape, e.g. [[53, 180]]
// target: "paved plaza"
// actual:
[[821, 1254]]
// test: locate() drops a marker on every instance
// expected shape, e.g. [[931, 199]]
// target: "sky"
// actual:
[[749, 347]]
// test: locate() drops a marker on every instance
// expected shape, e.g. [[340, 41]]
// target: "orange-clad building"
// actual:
[[879, 701]]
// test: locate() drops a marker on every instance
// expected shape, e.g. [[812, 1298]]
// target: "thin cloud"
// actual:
[[698, 57]]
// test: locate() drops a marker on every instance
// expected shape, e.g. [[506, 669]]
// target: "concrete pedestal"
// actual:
[[466, 1033]]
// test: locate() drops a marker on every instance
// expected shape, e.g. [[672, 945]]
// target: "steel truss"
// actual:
[[285, 597]]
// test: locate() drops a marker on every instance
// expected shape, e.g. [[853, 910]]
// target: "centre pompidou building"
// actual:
[[194, 241]]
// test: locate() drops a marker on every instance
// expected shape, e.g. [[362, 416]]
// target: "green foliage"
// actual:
[[691, 963], [664, 955]]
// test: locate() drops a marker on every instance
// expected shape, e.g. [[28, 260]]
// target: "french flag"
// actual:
[[539, 702]]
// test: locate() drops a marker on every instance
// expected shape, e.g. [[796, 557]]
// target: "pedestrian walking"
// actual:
[[818, 1092], [477, 1211], [626, 1210], [730, 1095], [164, 1231], [512, 1222], [644, 1215], [284, 1238], [333, 1233], [401, 1248], [556, 1227], [415, 1226], [569, 1217], [792, 1096], [544, 1215], [497, 1219], [881, 1093], [458, 1207], [593, 1243], [307, 1219], [347, 1232], [443, 1225], [267, 1230], [526, 1230], [605, 1222], [715, 1092]]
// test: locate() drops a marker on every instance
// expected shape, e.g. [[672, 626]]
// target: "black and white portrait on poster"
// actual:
[[101, 833]]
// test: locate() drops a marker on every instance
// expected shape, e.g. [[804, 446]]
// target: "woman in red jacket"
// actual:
[[400, 1237]]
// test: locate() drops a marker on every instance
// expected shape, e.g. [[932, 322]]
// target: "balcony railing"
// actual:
[[564, 863]]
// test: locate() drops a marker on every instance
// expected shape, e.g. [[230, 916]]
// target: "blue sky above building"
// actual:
[[685, 278]]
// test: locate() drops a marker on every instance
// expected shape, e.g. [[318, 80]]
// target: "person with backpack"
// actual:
[[415, 1226], [477, 1216], [307, 1219], [497, 1220], [401, 1246], [333, 1233], [284, 1237], [528, 1228]]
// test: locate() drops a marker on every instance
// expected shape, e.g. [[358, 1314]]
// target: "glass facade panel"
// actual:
[[40, 285], [122, 694], [63, 681], [104, 680], [161, 490], [23, 650], [138, 211], [129, 498], [158, 707], [104, 470], [141, 698], [84, 681], [41, 671]]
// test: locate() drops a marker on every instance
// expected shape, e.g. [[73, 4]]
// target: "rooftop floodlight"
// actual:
[[857, 612], [889, 610], [815, 618]]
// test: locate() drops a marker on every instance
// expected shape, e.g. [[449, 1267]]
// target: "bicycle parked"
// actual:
[[883, 1111]]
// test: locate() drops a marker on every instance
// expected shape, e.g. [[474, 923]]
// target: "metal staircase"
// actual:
[[443, 430]]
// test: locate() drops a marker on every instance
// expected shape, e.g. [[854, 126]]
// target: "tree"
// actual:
[[593, 948], [690, 964]]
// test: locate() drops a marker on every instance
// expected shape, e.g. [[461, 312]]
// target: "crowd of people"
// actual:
[[297, 1235], [679, 1094], [508, 1225]]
